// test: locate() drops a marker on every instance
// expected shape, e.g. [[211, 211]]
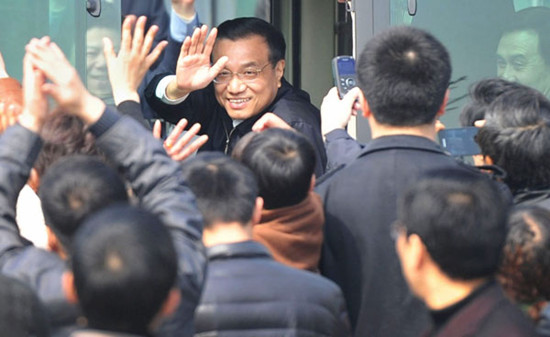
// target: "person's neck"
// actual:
[[443, 293], [380, 130], [224, 233]]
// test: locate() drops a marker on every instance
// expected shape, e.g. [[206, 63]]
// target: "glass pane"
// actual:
[[60, 19], [106, 25], [217, 11]]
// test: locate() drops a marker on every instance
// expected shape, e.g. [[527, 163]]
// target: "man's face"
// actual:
[[244, 99], [519, 60]]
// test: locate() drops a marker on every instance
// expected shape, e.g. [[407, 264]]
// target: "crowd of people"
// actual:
[[282, 224]]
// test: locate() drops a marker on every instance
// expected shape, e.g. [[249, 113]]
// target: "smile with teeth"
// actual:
[[239, 100]]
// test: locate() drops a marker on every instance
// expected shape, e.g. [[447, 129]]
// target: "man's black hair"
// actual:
[[526, 263], [404, 74], [517, 137], [461, 218], [283, 162], [124, 266], [482, 94], [73, 188], [21, 312], [241, 28], [536, 19], [225, 189]]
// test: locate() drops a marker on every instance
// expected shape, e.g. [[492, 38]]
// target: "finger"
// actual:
[[149, 39], [194, 41], [209, 45], [151, 58], [218, 66], [58, 52], [157, 129], [176, 132], [480, 123], [202, 39], [52, 90], [139, 31], [186, 138], [191, 148], [126, 39], [13, 112], [184, 51], [108, 51]]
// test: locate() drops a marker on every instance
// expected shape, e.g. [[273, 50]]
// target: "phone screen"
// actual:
[[459, 141], [346, 66]]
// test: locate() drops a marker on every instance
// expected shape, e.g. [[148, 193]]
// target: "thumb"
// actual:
[[108, 49], [157, 129]]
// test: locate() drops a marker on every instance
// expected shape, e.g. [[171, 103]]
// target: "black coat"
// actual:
[[247, 293], [359, 254], [489, 314], [291, 104]]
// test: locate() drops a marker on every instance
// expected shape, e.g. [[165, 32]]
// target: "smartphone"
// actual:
[[459, 141], [343, 72]]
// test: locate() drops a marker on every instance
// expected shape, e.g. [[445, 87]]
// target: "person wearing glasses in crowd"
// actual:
[[228, 79]]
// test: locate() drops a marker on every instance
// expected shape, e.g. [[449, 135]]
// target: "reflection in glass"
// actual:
[[106, 25]]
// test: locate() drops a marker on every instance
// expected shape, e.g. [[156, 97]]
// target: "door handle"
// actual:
[[93, 7], [412, 7]]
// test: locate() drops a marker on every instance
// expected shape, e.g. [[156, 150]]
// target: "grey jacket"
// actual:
[[154, 178]]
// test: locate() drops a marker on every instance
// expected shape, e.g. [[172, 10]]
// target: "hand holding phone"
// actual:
[[343, 71], [460, 141]]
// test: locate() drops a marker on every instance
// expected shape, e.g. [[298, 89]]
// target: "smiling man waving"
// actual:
[[227, 80]]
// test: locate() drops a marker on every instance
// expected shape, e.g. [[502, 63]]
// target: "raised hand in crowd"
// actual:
[[65, 87], [193, 70], [35, 103], [268, 121], [127, 69], [3, 72], [9, 114], [336, 112], [180, 148]]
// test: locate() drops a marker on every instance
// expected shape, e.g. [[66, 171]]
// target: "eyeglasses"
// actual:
[[247, 75]]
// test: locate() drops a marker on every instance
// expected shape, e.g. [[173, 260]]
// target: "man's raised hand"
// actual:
[[127, 69], [193, 70]]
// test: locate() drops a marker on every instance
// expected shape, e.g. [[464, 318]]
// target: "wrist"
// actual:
[[30, 122], [92, 109], [173, 92], [123, 96]]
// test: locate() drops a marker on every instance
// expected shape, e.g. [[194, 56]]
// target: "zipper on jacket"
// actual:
[[228, 138]]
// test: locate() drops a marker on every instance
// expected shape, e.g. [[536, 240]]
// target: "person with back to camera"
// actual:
[[403, 76]]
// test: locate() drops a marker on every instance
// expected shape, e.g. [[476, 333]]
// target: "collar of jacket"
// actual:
[[245, 249], [532, 196], [401, 142]]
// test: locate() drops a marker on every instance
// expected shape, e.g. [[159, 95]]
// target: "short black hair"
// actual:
[[124, 265], [73, 188], [516, 136], [21, 312], [283, 162], [461, 218], [404, 73], [526, 262], [536, 19], [482, 94], [225, 189], [241, 28]]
